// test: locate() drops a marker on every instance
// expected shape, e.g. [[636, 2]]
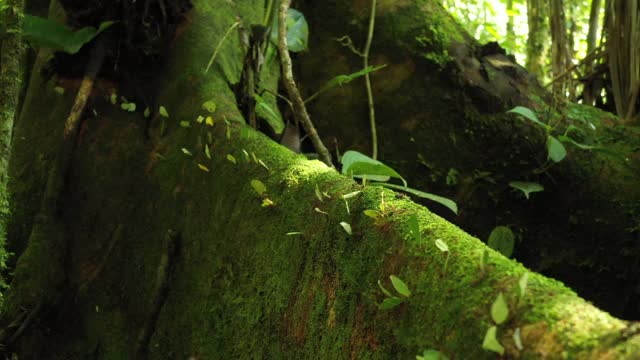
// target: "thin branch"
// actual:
[[300, 111], [215, 52], [372, 112]]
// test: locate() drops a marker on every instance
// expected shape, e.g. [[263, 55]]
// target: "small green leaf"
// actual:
[[526, 187], [263, 164], [203, 168], [266, 202], [185, 124], [351, 194], [580, 146], [432, 355], [517, 339], [384, 290], [258, 186], [319, 194], [346, 227], [442, 245], [400, 286], [207, 153], [186, 152], [147, 112], [522, 284], [59, 90], [320, 211], [265, 111], [113, 98], [502, 240], [358, 165], [231, 158], [390, 303], [529, 115], [297, 31], [56, 36], [163, 112], [491, 342], [450, 204], [374, 214], [209, 106], [200, 119], [293, 233], [414, 227], [556, 151], [499, 310]]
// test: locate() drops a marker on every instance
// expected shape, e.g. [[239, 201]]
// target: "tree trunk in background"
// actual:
[[623, 50], [11, 76], [537, 42], [560, 58], [183, 245], [440, 111], [592, 89], [511, 35]]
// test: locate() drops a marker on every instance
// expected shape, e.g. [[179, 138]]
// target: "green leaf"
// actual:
[[344, 79], [448, 203], [319, 194], [163, 112], [502, 240], [186, 152], [490, 341], [384, 291], [203, 168], [390, 303], [358, 165], [442, 245], [517, 339], [185, 124], [432, 355], [522, 284], [400, 286], [526, 187], [209, 106], [258, 186], [231, 158], [207, 153], [556, 150], [414, 227], [297, 31], [59, 90], [580, 146], [499, 310], [374, 214], [292, 233], [146, 113], [265, 111], [346, 227], [56, 36], [529, 115], [351, 194]]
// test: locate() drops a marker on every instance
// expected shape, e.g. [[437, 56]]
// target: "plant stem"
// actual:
[[299, 109], [215, 52], [372, 112]]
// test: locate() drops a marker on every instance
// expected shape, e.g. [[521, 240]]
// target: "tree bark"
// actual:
[[240, 279], [441, 105]]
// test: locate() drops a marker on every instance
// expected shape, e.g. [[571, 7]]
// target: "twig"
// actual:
[[300, 111], [224, 37], [365, 57], [594, 53]]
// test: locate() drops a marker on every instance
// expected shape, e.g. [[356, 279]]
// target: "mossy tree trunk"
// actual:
[[441, 107], [182, 244]]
